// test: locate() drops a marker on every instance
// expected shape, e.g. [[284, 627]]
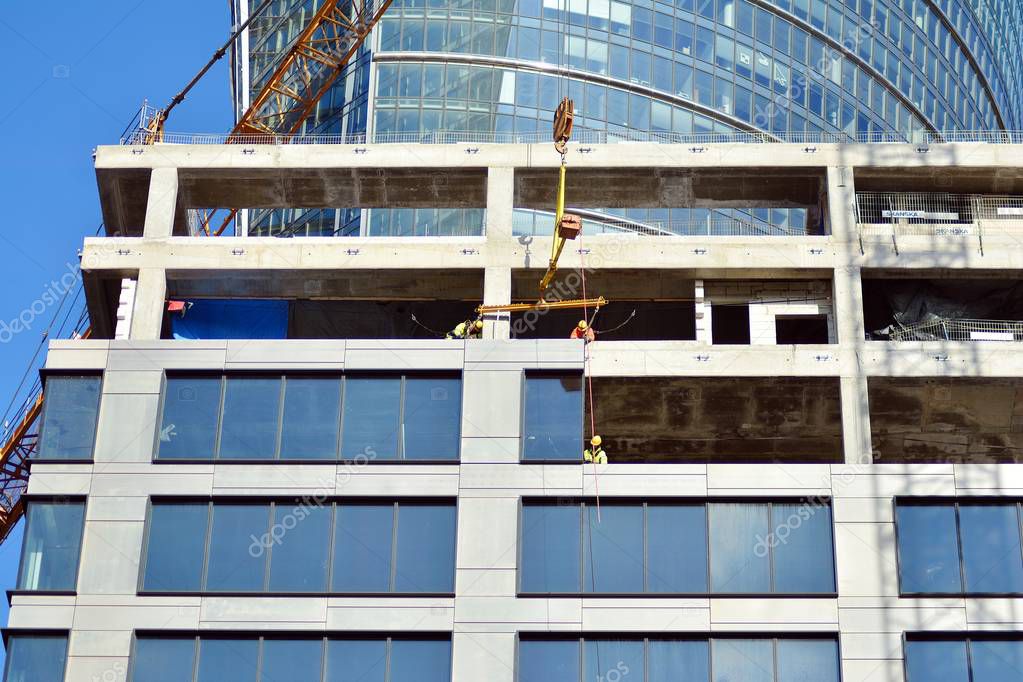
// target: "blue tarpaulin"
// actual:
[[222, 319]]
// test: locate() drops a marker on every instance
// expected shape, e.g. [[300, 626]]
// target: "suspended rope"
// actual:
[[588, 378], [432, 331], [614, 329]]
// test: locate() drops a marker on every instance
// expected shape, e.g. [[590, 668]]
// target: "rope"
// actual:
[[432, 331], [588, 376], [614, 329]]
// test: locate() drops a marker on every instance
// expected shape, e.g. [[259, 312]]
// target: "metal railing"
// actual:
[[948, 329], [541, 223], [583, 137], [934, 214]]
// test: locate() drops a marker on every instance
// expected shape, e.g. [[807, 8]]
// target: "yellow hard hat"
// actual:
[[596, 441], [478, 324], [582, 324]]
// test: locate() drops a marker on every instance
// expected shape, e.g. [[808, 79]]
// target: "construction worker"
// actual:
[[583, 331], [470, 329], [595, 453]]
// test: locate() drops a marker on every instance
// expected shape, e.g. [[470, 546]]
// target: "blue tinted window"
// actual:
[[737, 530], [175, 547], [371, 413], [300, 556], [550, 548], [52, 546], [996, 661], [163, 660], [356, 661], [294, 660], [667, 658], [238, 548], [228, 660], [803, 557], [936, 662], [613, 659], [312, 409], [35, 658], [420, 661], [425, 560], [191, 410], [677, 548], [808, 660], [749, 660], [362, 548], [69, 417], [543, 661], [249, 427], [613, 549], [432, 416], [553, 418], [928, 548], [992, 558]]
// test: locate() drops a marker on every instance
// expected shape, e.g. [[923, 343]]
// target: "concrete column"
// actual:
[[702, 313], [847, 296], [762, 330], [161, 204], [150, 300], [497, 287], [500, 202]]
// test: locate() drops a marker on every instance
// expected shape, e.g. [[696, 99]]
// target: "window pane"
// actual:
[[996, 661], [238, 547], [553, 418], [371, 418], [312, 410], [433, 413], [163, 660], [803, 554], [420, 661], [613, 660], [300, 539], [613, 549], [53, 537], [550, 548], [191, 407], [735, 564], [807, 660], [249, 429], [356, 660], [936, 662], [174, 550], [426, 548], [542, 661], [362, 548], [749, 660], [228, 660], [991, 548], [69, 417], [291, 660], [928, 551], [667, 658], [677, 548], [35, 658]]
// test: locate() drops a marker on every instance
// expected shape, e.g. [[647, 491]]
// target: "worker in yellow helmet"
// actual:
[[470, 329], [595, 453], [583, 331]]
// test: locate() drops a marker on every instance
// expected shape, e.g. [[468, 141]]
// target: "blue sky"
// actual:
[[75, 74]]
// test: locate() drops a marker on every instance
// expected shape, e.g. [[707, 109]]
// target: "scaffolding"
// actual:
[[961, 329]]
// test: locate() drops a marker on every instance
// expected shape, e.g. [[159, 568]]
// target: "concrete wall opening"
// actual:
[[730, 324], [767, 312], [961, 420], [801, 329], [720, 419]]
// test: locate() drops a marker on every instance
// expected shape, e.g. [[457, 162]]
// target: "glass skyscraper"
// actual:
[[873, 69]]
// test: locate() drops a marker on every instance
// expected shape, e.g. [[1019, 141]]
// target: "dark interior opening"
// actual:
[[729, 324], [801, 329], [618, 321]]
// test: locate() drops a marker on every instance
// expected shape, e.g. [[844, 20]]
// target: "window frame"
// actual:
[[957, 636], [955, 502], [273, 503], [29, 499], [23, 632], [283, 377], [46, 375], [196, 636], [705, 502], [551, 374], [694, 636]]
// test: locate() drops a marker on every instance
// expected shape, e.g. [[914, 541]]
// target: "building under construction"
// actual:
[[289, 451]]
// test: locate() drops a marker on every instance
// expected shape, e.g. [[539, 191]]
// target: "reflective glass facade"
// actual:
[[783, 67]]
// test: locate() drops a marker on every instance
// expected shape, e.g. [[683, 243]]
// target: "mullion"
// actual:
[[340, 416], [770, 550], [206, 546], [270, 545], [332, 542], [394, 548], [401, 417], [959, 546], [220, 416], [279, 438]]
